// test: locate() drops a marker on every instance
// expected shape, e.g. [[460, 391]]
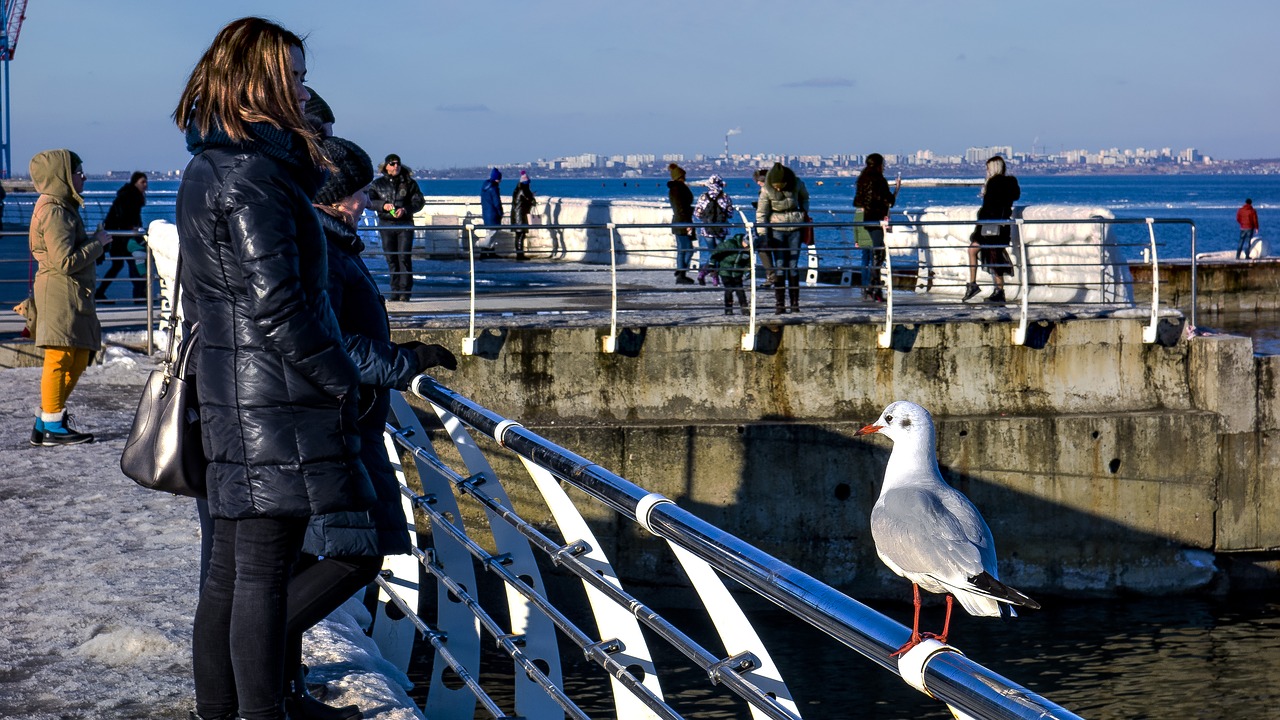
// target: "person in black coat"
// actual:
[[278, 391], [522, 203], [343, 551], [873, 196], [396, 196], [125, 214], [681, 198], [989, 243]]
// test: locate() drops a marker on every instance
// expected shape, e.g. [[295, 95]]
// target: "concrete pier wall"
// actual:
[[1103, 465]]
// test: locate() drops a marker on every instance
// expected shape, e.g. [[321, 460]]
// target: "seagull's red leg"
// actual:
[[915, 624], [946, 625]]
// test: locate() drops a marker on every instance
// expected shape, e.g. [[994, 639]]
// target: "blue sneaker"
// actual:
[[37, 433], [58, 433]]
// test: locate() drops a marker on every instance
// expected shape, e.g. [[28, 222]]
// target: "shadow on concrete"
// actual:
[[630, 341], [805, 495], [490, 341]]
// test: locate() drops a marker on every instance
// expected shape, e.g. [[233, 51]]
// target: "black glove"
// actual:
[[430, 356]]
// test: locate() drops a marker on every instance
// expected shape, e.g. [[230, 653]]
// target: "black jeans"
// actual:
[[238, 645], [318, 588], [398, 246]]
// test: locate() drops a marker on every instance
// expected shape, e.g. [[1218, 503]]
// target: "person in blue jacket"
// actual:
[[491, 209]]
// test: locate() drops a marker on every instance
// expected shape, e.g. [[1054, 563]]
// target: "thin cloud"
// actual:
[[827, 82], [463, 108]]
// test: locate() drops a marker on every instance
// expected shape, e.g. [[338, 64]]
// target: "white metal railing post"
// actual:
[[610, 342], [469, 342], [749, 338], [885, 337], [1024, 289], [1194, 273], [1149, 332]]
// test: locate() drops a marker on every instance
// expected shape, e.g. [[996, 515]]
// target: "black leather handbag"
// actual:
[[164, 450]]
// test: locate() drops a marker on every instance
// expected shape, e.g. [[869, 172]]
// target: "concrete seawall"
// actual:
[[1103, 465]]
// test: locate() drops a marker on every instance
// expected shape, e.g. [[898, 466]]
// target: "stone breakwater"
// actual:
[[1103, 465]]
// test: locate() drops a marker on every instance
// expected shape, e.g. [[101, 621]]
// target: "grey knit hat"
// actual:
[[354, 171]]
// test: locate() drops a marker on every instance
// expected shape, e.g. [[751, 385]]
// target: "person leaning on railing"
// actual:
[[343, 550], [67, 322], [873, 196]]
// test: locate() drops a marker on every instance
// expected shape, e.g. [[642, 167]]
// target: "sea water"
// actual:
[[1179, 657], [1210, 201]]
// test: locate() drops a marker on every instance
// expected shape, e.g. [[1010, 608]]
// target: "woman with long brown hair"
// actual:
[[277, 388]]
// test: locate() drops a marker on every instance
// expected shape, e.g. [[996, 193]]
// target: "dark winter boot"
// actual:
[[997, 296], [37, 432], [61, 433], [302, 706], [795, 298], [682, 278], [970, 291]]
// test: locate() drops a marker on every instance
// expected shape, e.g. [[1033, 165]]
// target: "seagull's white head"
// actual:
[[903, 421]]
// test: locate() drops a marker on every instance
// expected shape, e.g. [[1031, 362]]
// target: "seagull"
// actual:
[[930, 533]]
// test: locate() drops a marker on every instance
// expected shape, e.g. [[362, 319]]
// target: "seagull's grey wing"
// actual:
[[970, 521], [913, 527]]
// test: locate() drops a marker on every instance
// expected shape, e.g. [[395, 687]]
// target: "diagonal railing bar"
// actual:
[[509, 642], [438, 641], [601, 652], [725, 670]]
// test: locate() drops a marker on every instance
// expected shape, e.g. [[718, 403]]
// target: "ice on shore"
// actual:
[[98, 576]]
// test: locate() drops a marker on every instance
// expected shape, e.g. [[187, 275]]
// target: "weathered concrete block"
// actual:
[[1221, 375]]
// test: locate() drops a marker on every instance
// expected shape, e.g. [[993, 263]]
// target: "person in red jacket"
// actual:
[[1247, 217]]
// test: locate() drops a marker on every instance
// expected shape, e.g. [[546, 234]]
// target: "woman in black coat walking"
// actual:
[[989, 243], [278, 399]]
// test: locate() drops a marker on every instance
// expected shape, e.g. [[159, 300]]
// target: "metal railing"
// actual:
[[913, 281], [913, 266], [618, 648]]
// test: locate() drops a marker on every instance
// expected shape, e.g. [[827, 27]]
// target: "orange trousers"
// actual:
[[62, 369]]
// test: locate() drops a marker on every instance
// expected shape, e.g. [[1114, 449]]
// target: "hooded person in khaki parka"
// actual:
[[67, 324]]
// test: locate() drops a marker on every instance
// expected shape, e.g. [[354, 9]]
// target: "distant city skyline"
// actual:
[[460, 85]]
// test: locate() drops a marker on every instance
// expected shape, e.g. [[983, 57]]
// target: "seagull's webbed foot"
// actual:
[[932, 636], [915, 640]]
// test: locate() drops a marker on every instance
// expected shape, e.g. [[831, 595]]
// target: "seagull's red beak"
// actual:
[[869, 429]]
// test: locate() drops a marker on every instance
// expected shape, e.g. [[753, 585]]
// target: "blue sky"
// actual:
[[480, 83]]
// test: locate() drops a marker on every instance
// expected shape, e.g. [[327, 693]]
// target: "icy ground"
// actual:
[[98, 576]]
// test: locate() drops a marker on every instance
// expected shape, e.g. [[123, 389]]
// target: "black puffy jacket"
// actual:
[[277, 388], [402, 191], [362, 315]]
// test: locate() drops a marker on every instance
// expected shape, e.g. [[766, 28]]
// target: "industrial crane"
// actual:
[[12, 13]]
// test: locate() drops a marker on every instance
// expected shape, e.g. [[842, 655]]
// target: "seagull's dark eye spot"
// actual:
[[906, 423], [888, 419]]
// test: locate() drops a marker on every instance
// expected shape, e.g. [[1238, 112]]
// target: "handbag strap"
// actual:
[[175, 311]]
